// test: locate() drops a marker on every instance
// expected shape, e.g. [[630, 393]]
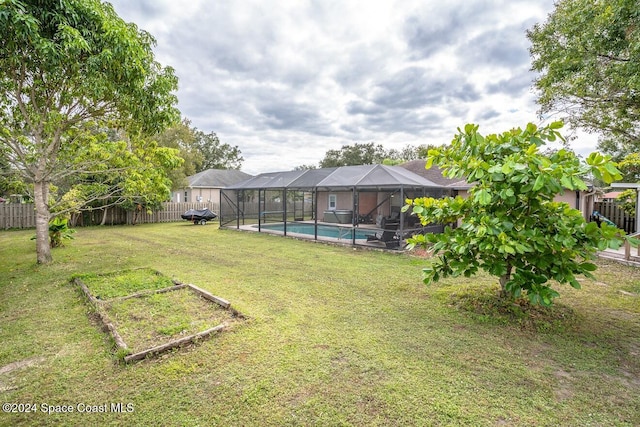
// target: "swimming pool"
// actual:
[[323, 230]]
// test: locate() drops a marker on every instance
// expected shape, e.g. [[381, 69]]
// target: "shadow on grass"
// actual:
[[485, 304]]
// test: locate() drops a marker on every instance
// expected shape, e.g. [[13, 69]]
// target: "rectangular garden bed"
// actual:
[[147, 313]]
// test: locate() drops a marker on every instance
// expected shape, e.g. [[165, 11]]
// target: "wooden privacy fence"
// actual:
[[17, 215], [22, 215], [615, 214]]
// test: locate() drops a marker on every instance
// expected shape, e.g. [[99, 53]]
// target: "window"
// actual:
[[185, 197], [333, 201]]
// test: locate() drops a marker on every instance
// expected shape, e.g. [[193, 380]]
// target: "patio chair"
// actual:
[[388, 233]]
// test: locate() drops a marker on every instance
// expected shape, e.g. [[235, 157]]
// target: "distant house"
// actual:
[[581, 200], [205, 186]]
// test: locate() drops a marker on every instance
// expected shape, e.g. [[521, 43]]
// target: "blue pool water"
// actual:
[[323, 230]]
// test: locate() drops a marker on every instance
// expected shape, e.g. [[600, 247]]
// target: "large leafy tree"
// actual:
[[67, 68], [134, 174], [217, 155], [356, 154], [10, 182], [370, 153], [199, 150], [182, 137], [407, 153], [588, 57], [630, 167], [510, 225]]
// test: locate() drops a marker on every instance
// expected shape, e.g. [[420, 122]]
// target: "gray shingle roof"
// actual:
[[434, 174], [217, 178]]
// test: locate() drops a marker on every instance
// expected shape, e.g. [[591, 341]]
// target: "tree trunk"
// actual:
[[104, 216], [504, 279], [43, 246]]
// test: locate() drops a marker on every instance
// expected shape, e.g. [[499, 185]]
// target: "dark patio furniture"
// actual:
[[388, 233]]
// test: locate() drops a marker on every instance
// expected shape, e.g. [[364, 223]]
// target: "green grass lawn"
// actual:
[[334, 336]]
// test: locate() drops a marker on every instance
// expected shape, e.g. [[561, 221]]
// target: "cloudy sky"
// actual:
[[286, 81]]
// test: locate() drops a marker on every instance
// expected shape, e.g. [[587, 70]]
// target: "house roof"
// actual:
[[434, 174], [217, 178], [611, 194], [363, 176]]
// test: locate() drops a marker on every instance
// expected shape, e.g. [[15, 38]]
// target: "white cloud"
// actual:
[[286, 81]]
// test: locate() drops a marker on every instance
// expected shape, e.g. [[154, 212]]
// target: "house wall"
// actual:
[[385, 208], [344, 200], [193, 194], [367, 202], [569, 197], [588, 202], [462, 193], [582, 200]]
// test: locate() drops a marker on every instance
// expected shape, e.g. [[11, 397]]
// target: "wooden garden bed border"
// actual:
[[121, 345]]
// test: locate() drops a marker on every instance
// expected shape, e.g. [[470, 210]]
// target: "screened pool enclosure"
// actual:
[[360, 205]]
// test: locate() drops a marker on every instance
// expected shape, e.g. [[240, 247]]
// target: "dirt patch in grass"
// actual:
[[7, 370], [21, 364], [421, 253], [152, 320]]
